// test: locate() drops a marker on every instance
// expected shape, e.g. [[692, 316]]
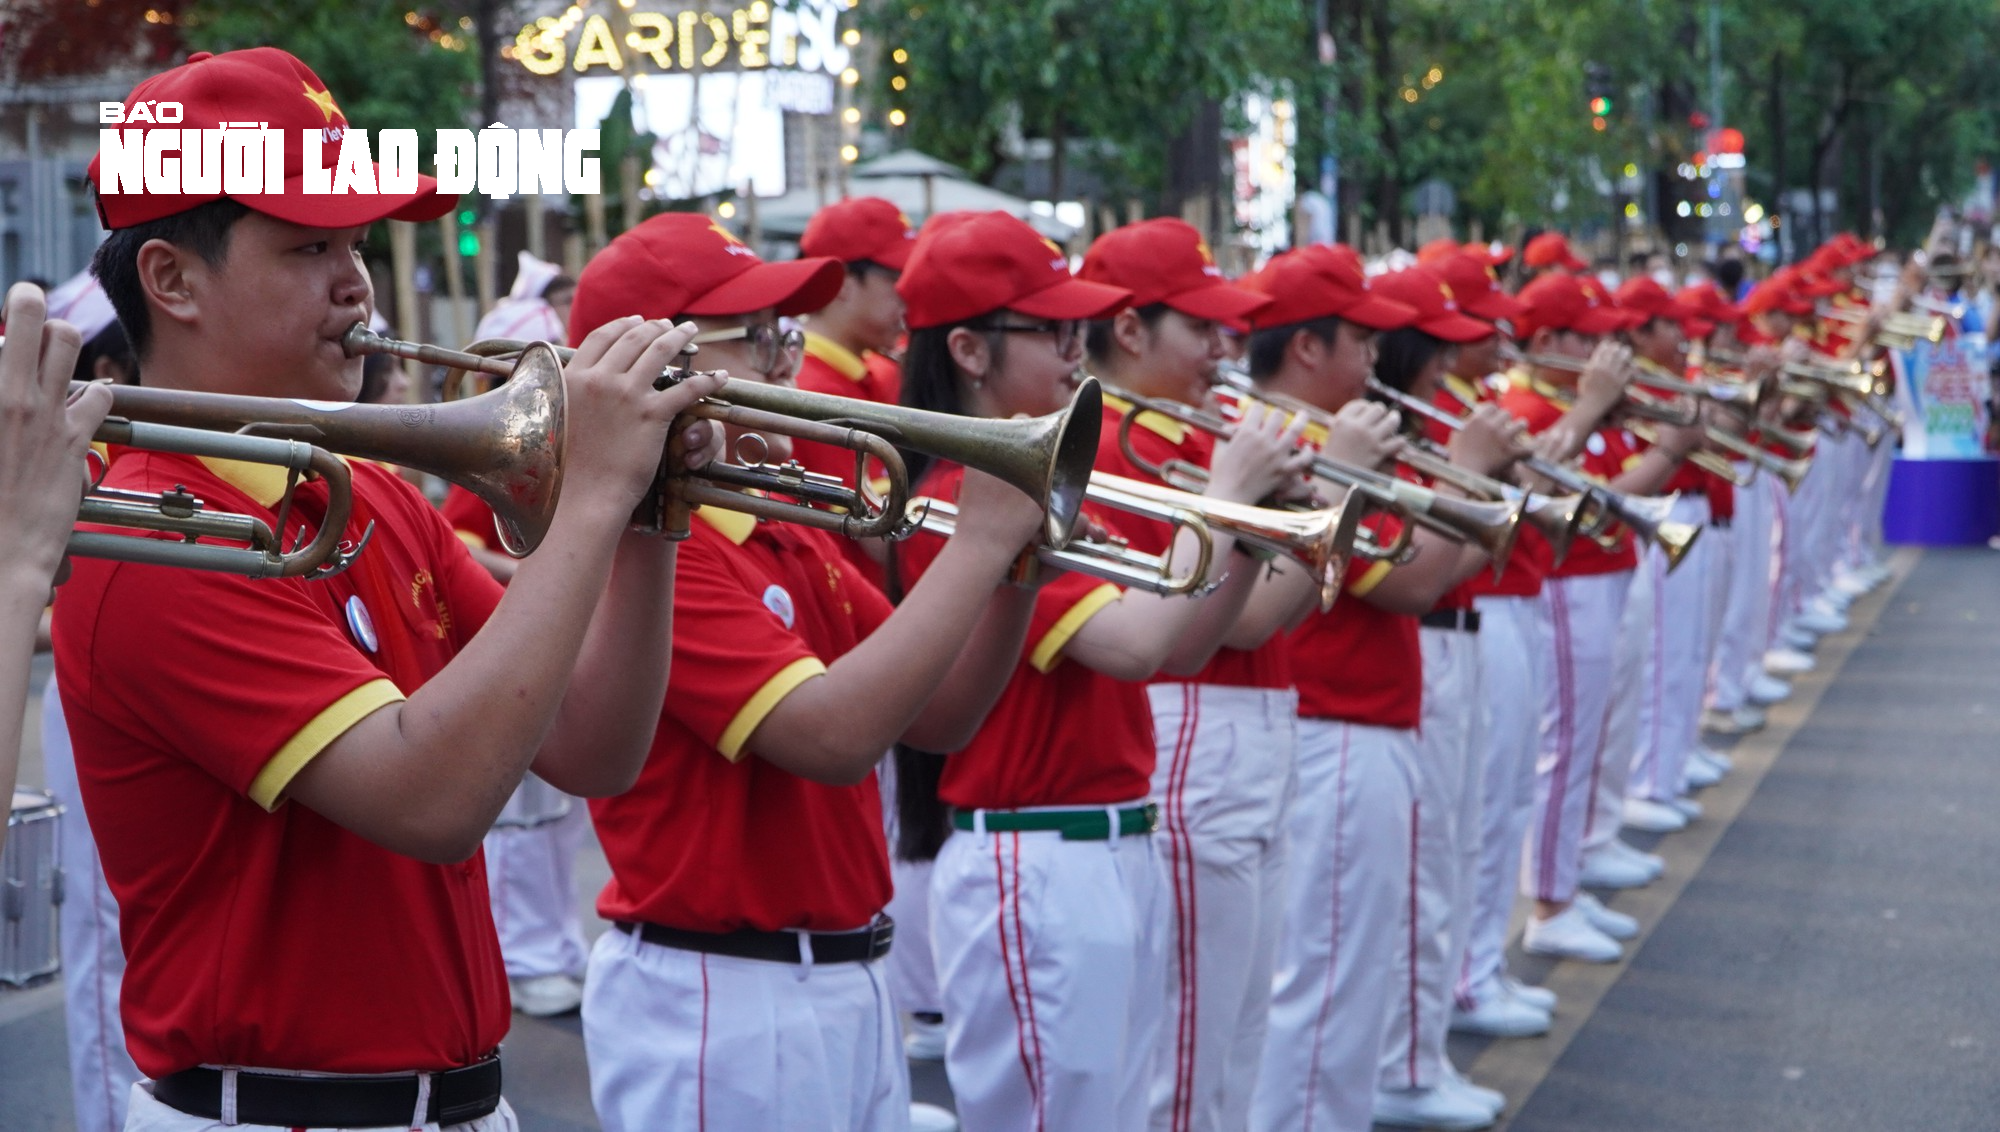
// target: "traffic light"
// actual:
[[1597, 88], [468, 234]]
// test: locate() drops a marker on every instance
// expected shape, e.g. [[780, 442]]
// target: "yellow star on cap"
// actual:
[[716, 227], [1207, 256], [322, 99]]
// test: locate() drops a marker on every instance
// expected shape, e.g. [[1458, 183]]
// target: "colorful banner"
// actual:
[[1942, 390]]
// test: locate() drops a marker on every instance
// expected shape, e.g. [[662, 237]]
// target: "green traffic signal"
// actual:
[[1600, 106], [468, 243]]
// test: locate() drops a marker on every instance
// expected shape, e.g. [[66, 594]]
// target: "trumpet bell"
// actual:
[[1675, 540]]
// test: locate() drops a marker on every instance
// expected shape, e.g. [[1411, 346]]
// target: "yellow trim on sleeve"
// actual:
[[263, 483], [1166, 428], [268, 788], [1630, 462], [767, 698], [1369, 579], [1048, 652], [844, 361], [1462, 389], [470, 539]]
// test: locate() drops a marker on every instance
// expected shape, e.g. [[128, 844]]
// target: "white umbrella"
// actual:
[[916, 183]]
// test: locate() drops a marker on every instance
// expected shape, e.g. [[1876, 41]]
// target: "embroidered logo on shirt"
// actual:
[[361, 625], [779, 602]]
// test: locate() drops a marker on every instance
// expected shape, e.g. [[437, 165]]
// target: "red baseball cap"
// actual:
[[967, 264], [1551, 249], [1476, 287], [1854, 249], [269, 86], [1165, 260], [1321, 281], [1437, 309], [1561, 302], [1706, 309], [683, 263], [1643, 298], [1778, 293], [861, 228], [1444, 247]]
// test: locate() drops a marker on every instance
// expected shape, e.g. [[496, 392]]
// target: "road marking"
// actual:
[[1517, 1067]]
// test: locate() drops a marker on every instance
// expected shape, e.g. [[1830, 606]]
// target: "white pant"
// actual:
[[1746, 619], [149, 1115], [1052, 958], [1224, 784], [684, 1040], [101, 1073], [913, 981], [1621, 721], [1348, 882], [1516, 661], [1671, 613], [1584, 615], [531, 877], [1444, 852]]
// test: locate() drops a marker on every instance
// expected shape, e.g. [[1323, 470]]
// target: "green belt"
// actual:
[[1074, 825]]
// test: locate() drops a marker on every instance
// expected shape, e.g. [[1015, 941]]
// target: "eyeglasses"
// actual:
[[770, 348], [1068, 333]]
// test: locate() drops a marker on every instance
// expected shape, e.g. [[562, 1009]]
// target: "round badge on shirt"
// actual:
[[1595, 444], [778, 601], [361, 625]]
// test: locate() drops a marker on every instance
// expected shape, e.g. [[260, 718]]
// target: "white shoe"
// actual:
[[1439, 1107], [1689, 808], [1648, 816], [1878, 574], [1850, 584], [545, 996], [1568, 935], [1541, 998], [1495, 1013], [923, 1041], [1717, 722], [1698, 773], [1617, 925], [1783, 662], [1793, 636], [1621, 849], [1605, 867], [1494, 1100], [1751, 717], [1821, 619], [1765, 689], [931, 1118], [1715, 758]]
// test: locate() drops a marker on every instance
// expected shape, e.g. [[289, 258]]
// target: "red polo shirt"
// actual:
[[833, 369], [1359, 663], [709, 839], [1061, 734], [471, 520], [258, 932], [1158, 439]]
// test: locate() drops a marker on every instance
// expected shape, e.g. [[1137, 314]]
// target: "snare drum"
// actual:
[[31, 886]]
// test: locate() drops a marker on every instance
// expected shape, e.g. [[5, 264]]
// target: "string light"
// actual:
[[850, 154], [851, 115], [897, 117], [898, 83], [726, 210], [850, 37], [849, 77], [900, 55]]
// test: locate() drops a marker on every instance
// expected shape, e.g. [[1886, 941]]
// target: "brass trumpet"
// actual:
[[1112, 560], [1559, 518], [1492, 525], [1047, 457], [1682, 413], [1321, 540], [1900, 329]]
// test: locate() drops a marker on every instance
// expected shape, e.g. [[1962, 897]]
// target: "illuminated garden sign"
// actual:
[[801, 36]]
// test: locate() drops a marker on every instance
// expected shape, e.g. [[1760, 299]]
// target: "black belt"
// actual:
[[871, 942], [1464, 620], [387, 1100], [1719, 522]]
